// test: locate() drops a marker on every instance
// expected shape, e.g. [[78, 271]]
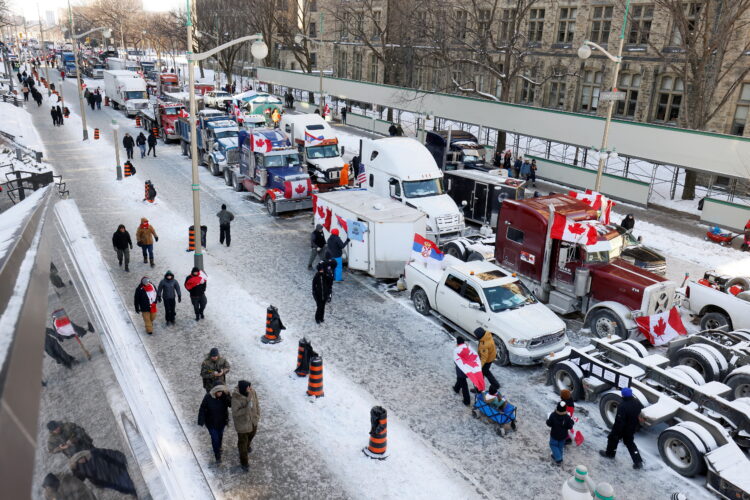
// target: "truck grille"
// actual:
[[447, 222], [233, 156], [140, 105], [544, 340], [333, 174]]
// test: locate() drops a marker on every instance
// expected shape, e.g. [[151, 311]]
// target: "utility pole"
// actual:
[[44, 51], [78, 73], [198, 253]]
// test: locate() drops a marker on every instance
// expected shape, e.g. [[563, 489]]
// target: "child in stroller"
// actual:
[[497, 408]]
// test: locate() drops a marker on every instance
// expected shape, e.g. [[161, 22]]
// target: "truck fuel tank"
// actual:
[[582, 283]]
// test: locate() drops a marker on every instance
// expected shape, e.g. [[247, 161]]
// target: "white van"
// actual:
[[403, 169], [318, 143]]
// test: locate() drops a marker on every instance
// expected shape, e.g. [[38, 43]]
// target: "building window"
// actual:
[[460, 26], [420, 30], [313, 5], [376, 23], [556, 96], [629, 84], [341, 65], [357, 66], [373, 68], [343, 26], [360, 23], [641, 17], [669, 99], [692, 10], [483, 22], [601, 24], [592, 82], [313, 59], [528, 91], [740, 113], [507, 19], [536, 25], [418, 77], [498, 88], [312, 30], [567, 25]]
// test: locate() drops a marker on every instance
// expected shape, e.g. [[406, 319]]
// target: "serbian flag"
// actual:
[[660, 328], [260, 144], [313, 140], [468, 362], [426, 251], [576, 232]]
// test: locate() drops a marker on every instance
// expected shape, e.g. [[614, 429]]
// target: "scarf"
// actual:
[[194, 281]]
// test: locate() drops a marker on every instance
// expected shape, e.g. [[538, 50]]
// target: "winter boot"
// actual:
[[127, 269], [152, 262], [145, 260], [605, 454], [119, 262]]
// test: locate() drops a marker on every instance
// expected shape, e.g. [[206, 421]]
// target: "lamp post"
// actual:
[[44, 51], [584, 52], [259, 50], [298, 38], [118, 167]]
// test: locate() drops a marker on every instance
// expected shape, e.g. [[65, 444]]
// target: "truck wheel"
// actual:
[[227, 177], [692, 373], [632, 347], [566, 375], [214, 168], [740, 385], [608, 404], [604, 322], [271, 206], [420, 301], [115, 105], [698, 359], [716, 321], [503, 356], [236, 184], [455, 250], [681, 450]]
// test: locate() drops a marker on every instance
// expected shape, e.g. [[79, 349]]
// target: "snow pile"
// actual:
[[17, 122], [13, 219]]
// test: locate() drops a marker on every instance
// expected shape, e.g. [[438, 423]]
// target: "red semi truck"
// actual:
[[574, 277], [163, 116]]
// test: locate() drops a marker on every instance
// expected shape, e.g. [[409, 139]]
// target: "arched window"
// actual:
[[592, 82]]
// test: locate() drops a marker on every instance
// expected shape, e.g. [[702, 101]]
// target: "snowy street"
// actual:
[[377, 349]]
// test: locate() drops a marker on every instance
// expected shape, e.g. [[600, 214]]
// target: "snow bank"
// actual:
[[17, 122], [12, 220]]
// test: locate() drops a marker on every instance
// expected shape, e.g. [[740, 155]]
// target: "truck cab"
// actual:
[[464, 150], [402, 169], [318, 144], [271, 170], [168, 82], [571, 277]]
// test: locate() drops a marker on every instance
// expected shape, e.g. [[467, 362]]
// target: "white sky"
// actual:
[[28, 8]]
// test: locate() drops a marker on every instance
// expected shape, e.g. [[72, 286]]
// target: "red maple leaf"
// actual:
[[467, 357], [300, 188], [259, 143], [660, 327], [576, 228], [321, 212]]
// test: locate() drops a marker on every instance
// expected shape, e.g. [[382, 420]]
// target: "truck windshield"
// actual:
[[329, 151], [226, 134], [593, 257], [509, 296], [171, 111], [135, 94], [282, 160], [420, 189]]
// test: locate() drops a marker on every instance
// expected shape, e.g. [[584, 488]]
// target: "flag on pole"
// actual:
[[468, 362], [575, 232], [361, 176], [597, 201], [424, 250], [662, 327]]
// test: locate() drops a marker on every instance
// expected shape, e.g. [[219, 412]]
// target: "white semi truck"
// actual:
[[127, 90]]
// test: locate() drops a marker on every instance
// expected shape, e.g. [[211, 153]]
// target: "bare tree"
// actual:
[[301, 19], [5, 14]]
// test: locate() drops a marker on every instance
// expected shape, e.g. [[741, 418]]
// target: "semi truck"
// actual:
[[217, 139], [482, 192], [127, 90], [118, 64], [69, 63], [163, 116], [318, 144], [463, 150], [271, 170]]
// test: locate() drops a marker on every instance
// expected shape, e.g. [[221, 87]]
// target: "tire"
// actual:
[[682, 451], [115, 105], [716, 321], [566, 375], [637, 346], [420, 301], [271, 206], [503, 356], [474, 257], [236, 184], [608, 404], [455, 250], [740, 385], [214, 168], [740, 280], [695, 357], [743, 334], [721, 361], [227, 177], [603, 322], [696, 377]]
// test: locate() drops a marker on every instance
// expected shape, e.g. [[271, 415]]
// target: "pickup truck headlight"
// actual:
[[518, 342]]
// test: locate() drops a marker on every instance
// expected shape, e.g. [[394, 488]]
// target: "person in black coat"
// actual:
[[104, 468], [628, 222], [559, 423], [123, 245], [321, 290], [55, 350], [195, 284], [128, 143], [151, 144], [140, 141], [214, 414], [627, 422]]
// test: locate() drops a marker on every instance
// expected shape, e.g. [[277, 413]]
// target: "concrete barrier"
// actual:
[[369, 123], [725, 214]]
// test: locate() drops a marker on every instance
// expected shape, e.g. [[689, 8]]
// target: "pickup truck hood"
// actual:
[[527, 322], [644, 254], [434, 206], [326, 164]]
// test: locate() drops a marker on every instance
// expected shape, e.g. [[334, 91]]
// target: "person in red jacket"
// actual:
[[144, 301], [195, 283]]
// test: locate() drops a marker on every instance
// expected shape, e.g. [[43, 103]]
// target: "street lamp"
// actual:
[[118, 168], [259, 50], [584, 52], [45, 51], [298, 39]]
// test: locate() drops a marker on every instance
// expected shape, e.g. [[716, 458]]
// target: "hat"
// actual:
[[335, 231], [144, 281], [561, 408], [213, 352], [195, 270], [565, 394], [52, 425], [51, 481], [459, 340], [479, 332], [169, 273], [627, 392], [243, 385], [319, 227]]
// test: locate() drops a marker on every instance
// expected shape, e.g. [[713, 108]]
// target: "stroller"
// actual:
[[505, 416]]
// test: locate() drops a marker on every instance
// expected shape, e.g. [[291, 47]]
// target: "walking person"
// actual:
[[128, 143], [525, 172], [144, 300], [53, 113], [532, 173], [65, 486], [123, 245], [559, 423], [145, 237], [517, 167], [336, 251], [169, 292], [214, 414], [60, 116], [151, 144], [214, 370], [246, 415], [140, 141], [461, 379], [98, 99], [627, 422], [225, 218], [104, 469], [25, 91], [195, 283], [67, 438], [321, 290], [487, 355], [317, 245]]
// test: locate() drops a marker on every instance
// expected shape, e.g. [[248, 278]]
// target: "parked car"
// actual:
[[720, 302], [638, 254]]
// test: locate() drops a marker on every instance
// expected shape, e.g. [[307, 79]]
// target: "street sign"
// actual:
[[612, 96]]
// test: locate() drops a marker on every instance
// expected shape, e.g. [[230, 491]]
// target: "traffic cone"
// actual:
[[378, 434], [273, 326], [137, 121], [155, 131], [304, 354], [106, 100], [315, 380], [191, 239], [96, 133]]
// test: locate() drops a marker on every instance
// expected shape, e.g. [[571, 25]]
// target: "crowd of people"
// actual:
[[521, 168]]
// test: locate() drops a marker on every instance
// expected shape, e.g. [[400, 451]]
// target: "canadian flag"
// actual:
[[597, 201], [182, 113], [468, 362], [575, 232], [662, 327], [260, 144], [64, 327]]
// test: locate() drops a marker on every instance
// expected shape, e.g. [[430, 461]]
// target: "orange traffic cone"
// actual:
[[378, 434], [273, 326], [137, 121], [96, 133], [315, 380]]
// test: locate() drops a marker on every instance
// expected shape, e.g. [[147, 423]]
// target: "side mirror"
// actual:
[[640, 239], [392, 181], [475, 306]]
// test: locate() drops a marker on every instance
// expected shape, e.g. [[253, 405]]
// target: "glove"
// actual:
[[156, 238], [158, 300], [179, 299]]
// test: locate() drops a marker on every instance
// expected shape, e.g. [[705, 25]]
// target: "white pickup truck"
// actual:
[[470, 295], [712, 300]]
